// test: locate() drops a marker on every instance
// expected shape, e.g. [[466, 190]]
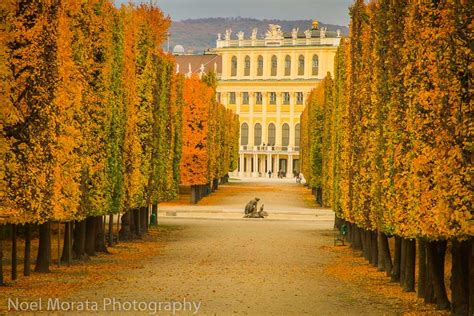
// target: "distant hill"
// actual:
[[199, 34]]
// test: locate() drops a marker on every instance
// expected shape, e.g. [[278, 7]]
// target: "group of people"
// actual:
[[281, 175]]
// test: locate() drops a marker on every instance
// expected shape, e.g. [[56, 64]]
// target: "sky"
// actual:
[[327, 11]]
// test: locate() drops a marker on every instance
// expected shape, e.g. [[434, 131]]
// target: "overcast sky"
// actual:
[[327, 11]]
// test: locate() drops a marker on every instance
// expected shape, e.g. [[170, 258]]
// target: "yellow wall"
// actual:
[[267, 113]]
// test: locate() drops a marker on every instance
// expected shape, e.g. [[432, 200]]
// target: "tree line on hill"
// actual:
[[95, 123], [387, 143]]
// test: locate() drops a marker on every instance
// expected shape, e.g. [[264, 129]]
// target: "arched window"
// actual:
[[315, 65], [244, 134], [247, 66], [287, 65], [233, 66], [297, 135], [260, 66], [301, 65], [271, 134], [274, 66], [285, 135], [257, 138]]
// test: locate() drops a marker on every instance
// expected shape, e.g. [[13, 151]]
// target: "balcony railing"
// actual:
[[269, 149]]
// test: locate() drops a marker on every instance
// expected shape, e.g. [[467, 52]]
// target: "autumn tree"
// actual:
[[400, 140]]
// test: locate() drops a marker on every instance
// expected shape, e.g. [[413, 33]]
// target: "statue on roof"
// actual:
[[322, 33], [294, 33], [240, 35], [228, 32], [274, 32], [254, 33], [307, 33]]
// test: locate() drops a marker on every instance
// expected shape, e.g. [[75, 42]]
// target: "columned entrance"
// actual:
[[257, 163]]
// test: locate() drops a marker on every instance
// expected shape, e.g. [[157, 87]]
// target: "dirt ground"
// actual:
[[231, 266], [252, 267]]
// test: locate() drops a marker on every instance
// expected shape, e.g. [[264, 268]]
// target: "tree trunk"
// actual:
[[366, 244], [111, 230], [387, 257], [143, 219], [358, 238], [436, 251], [90, 236], [100, 235], [349, 231], [132, 223], [460, 286], [471, 276], [375, 250], [421, 269], [125, 231], [65, 256], [69, 227], [148, 211], [429, 289], [403, 263], [14, 271], [395, 275], [79, 245], [194, 194], [137, 223], [409, 285], [2, 282], [43, 258], [27, 257], [380, 258]]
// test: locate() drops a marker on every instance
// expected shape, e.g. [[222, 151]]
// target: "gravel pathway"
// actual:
[[255, 267]]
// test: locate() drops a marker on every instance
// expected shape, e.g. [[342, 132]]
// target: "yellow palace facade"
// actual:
[[266, 81]]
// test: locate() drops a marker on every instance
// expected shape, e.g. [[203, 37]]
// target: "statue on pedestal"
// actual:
[[294, 33], [227, 34], [254, 34], [251, 210]]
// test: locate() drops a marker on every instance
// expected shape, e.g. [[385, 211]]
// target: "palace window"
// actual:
[[258, 98], [245, 98], [271, 134], [244, 134], [315, 65], [301, 65], [273, 98], [247, 66], [257, 139], [287, 65], [285, 135], [231, 97], [286, 98], [297, 135], [299, 98], [260, 66], [274, 66], [233, 66]]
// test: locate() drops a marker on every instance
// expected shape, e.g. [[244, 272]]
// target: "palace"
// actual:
[[265, 81]]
